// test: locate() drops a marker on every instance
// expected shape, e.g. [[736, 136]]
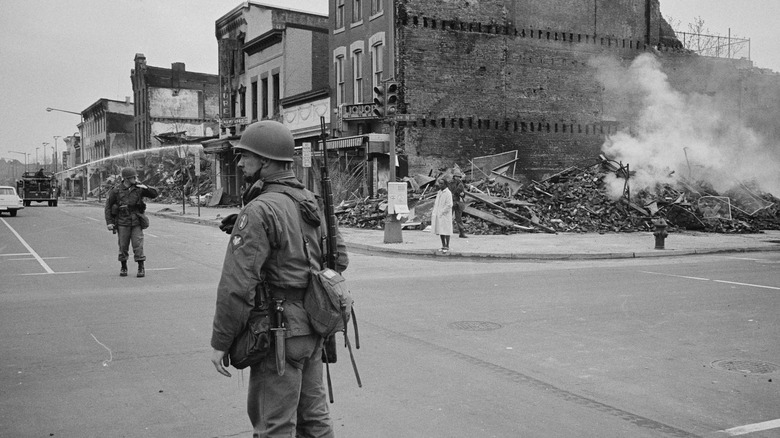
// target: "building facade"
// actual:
[[106, 130], [272, 66], [172, 101], [362, 59]]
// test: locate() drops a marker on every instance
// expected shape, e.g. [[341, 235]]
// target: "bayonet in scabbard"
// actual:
[[279, 331]]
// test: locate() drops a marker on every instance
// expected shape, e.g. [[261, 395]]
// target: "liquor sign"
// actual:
[[358, 111], [306, 155]]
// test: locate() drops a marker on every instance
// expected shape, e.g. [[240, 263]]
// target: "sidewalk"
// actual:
[[530, 246]]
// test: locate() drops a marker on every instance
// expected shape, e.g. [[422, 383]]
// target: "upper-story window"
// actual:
[[357, 10], [339, 80], [357, 68], [376, 6], [339, 14], [377, 63]]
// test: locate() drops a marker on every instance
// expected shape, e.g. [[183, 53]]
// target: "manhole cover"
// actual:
[[746, 366], [475, 325]]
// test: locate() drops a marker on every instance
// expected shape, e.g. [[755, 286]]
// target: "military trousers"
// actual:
[[128, 235], [458, 215], [295, 404]]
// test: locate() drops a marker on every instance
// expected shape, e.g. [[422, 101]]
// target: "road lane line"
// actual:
[[677, 276], [14, 255], [750, 428], [58, 273], [747, 284], [92, 219], [29, 248], [716, 281]]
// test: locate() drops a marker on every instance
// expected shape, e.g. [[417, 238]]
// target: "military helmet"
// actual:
[[128, 172], [268, 139]]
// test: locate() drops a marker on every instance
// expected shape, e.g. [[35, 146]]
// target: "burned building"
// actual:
[[487, 77], [172, 101]]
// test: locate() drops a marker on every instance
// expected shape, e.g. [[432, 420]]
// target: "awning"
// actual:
[[347, 142], [220, 145]]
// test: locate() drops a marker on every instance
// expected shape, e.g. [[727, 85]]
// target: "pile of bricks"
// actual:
[[574, 200]]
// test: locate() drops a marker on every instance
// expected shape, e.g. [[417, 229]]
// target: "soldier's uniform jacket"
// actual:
[[266, 245], [458, 190], [132, 197]]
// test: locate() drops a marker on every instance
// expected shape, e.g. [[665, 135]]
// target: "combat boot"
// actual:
[[141, 270], [123, 270]]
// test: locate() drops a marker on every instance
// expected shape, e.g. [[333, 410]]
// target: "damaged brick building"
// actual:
[[490, 76]]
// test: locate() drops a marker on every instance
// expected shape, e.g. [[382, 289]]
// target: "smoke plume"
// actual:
[[672, 135]]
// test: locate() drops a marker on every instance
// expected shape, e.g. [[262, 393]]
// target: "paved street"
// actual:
[[450, 347]]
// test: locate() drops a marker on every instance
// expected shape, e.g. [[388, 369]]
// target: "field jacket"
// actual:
[[266, 248], [124, 204]]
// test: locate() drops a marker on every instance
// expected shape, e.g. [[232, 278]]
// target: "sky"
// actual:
[[69, 54]]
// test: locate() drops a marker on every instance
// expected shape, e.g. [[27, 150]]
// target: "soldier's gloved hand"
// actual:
[[110, 227], [228, 222]]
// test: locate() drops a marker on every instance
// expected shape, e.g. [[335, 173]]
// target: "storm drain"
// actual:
[[475, 326], [746, 366]]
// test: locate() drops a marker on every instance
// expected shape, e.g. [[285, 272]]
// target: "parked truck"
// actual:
[[38, 186]]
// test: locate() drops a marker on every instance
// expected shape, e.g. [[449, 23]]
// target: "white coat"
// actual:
[[441, 215]]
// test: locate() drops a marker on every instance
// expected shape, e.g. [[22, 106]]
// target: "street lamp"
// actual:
[[55, 153], [44, 153], [36, 157], [81, 139], [25, 158]]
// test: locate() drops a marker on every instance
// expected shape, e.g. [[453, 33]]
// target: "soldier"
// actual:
[[458, 190], [125, 217], [266, 262]]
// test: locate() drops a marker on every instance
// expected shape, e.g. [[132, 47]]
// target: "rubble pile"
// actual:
[[172, 178], [575, 200]]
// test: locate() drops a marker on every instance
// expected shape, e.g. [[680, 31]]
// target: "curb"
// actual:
[[367, 249], [431, 253]]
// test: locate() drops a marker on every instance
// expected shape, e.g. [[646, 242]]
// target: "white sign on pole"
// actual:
[[197, 164], [396, 198], [306, 155]]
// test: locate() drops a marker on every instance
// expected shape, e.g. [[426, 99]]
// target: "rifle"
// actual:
[[331, 257]]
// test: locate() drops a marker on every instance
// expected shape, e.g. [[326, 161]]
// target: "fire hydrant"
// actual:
[[660, 232]]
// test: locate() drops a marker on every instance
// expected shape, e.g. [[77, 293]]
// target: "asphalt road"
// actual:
[[670, 347]]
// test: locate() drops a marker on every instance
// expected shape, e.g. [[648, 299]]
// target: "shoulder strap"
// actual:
[[343, 314]]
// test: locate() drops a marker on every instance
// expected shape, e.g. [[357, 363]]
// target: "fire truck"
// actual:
[[39, 187]]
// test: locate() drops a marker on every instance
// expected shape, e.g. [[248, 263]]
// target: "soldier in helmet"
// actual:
[[266, 263], [458, 190], [125, 217]]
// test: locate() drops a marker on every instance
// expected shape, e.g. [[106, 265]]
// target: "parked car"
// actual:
[[9, 200]]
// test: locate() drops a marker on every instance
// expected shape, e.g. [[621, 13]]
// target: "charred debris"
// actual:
[[575, 200]]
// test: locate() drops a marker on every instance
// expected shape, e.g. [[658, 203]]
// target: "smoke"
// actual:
[[674, 135]]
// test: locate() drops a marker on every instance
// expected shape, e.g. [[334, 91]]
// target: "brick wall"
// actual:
[[502, 81]]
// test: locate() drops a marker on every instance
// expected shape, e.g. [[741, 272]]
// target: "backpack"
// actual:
[[328, 304]]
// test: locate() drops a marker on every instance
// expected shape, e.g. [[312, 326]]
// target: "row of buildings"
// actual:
[[475, 78]]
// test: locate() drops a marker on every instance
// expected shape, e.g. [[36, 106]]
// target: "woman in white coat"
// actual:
[[441, 215]]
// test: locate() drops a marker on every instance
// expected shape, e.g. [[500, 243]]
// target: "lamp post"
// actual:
[[36, 157], [55, 153], [81, 139], [25, 158], [44, 154]]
